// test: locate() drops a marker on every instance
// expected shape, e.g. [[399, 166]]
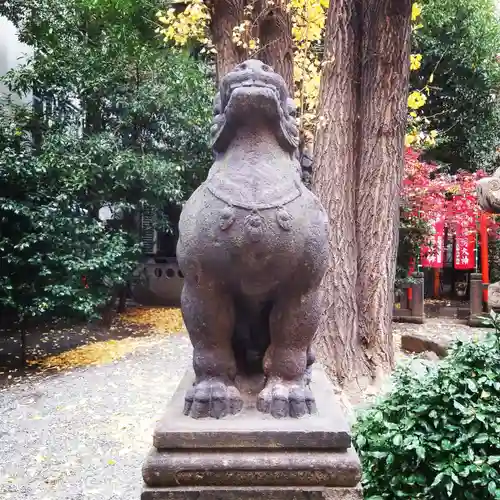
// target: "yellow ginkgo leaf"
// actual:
[[416, 10]]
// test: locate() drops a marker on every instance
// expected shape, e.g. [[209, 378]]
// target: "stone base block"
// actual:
[[251, 493], [251, 429], [252, 467]]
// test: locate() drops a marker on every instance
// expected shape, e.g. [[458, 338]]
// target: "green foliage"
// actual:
[[118, 121], [413, 234], [103, 69], [459, 41], [437, 435]]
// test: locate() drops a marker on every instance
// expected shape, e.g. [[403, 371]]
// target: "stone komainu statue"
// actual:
[[253, 248]]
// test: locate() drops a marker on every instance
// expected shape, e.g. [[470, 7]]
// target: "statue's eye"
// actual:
[[291, 108]]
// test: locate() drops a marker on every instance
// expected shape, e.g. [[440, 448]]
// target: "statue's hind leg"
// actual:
[[293, 322], [209, 317]]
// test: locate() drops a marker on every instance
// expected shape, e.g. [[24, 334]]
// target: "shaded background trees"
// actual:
[[459, 41], [287, 35], [106, 130]]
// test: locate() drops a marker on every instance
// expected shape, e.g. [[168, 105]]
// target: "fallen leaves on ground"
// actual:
[[161, 319], [99, 353], [158, 320]]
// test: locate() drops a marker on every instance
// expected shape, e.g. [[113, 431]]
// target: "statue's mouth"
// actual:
[[251, 87], [249, 103], [254, 83]]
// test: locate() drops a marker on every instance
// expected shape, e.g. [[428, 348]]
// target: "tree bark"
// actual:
[[334, 179], [226, 14], [273, 26], [385, 78], [275, 34], [357, 173]]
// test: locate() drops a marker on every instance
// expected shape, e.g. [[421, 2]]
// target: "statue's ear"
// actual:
[[217, 104]]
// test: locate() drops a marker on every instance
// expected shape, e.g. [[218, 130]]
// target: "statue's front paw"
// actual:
[[286, 399], [212, 398]]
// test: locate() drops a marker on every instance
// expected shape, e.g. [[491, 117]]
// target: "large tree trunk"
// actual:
[[358, 166], [226, 14], [386, 55], [275, 34], [334, 180], [273, 26]]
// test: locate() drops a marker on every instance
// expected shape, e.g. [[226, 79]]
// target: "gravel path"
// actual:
[[83, 435]]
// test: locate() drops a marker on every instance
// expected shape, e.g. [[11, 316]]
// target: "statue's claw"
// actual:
[[212, 398], [286, 399]]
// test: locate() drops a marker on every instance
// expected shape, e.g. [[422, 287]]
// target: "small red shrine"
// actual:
[[448, 203], [470, 246]]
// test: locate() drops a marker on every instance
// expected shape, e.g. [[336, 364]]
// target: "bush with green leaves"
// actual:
[[56, 258], [437, 434]]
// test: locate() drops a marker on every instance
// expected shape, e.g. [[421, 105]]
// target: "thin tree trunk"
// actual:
[[122, 299], [23, 347], [275, 34], [386, 55], [334, 179], [227, 14], [358, 167]]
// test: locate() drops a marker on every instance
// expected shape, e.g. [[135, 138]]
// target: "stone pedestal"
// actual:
[[476, 299], [417, 299], [251, 456]]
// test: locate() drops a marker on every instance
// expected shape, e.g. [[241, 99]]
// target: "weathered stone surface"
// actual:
[[253, 248], [494, 296], [251, 452], [414, 342], [476, 288], [463, 313], [327, 428], [252, 493], [251, 468]]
